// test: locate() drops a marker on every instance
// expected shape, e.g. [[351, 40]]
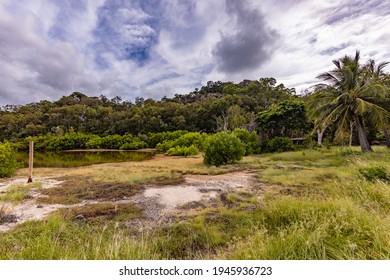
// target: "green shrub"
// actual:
[[69, 141], [250, 140], [8, 163], [223, 148], [277, 145], [135, 144], [187, 140], [112, 142], [158, 138], [94, 142], [373, 173], [183, 151], [165, 146]]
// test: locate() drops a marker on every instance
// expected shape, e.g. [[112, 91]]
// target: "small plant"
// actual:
[[372, 173], [346, 151], [6, 218], [223, 148]]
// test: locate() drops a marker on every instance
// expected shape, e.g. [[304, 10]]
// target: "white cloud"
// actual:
[[51, 48]]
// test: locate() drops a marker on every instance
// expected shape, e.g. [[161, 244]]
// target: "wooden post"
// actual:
[[30, 161]]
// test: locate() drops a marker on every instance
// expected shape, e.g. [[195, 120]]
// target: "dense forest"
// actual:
[[216, 106], [340, 111]]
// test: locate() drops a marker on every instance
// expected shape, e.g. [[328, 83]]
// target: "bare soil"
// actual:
[[159, 204]]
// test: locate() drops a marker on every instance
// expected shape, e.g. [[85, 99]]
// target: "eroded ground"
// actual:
[[158, 204]]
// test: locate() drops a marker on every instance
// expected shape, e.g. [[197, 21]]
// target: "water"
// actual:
[[81, 158]]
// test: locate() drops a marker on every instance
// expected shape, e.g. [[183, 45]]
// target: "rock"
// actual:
[[280, 166], [39, 206]]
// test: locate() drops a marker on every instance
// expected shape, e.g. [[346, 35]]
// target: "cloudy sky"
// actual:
[[153, 48]]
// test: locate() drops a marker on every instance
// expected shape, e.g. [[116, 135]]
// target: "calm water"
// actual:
[[81, 158]]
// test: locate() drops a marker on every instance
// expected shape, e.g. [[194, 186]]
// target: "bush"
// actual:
[[160, 137], [183, 151], [277, 145], [69, 141], [135, 144], [223, 148], [250, 140], [373, 173], [165, 146], [187, 140], [8, 163]]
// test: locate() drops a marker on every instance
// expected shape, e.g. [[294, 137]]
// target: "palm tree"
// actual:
[[376, 72], [351, 96]]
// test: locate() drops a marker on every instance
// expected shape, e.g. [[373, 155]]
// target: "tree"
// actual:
[[285, 119], [352, 95], [375, 72]]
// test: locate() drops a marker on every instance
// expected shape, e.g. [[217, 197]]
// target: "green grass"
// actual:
[[314, 205], [19, 192], [61, 238]]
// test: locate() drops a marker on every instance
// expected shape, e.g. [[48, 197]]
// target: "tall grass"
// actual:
[[58, 238]]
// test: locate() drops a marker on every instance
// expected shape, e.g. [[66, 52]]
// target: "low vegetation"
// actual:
[[19, 192], [8, 162], [310, 204]]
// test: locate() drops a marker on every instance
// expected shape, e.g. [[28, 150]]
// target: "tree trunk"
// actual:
[[387, 137], [351, 123], [320, 135], [364, 145]]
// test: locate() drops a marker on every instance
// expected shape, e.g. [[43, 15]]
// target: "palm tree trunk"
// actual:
[[364, 145], [320, 135], [387, 137], [351, 123]]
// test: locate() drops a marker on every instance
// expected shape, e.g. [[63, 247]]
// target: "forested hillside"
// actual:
[[216, 106]]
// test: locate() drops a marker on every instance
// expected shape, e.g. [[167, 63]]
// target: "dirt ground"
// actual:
[[160, 204]]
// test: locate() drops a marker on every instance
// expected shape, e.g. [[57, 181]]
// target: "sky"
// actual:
[[157, 48]]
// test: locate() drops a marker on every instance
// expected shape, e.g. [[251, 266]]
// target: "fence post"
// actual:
[[30, 161]]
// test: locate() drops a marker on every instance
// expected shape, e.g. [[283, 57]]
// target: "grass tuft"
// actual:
[[19, 192]]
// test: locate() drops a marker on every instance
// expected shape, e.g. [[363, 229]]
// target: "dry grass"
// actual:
[[5, 217], [162, 168], [76, 189], [102, 212]]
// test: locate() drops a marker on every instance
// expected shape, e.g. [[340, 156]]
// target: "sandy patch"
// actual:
[[28, 209], [197, 188], [158, 203]]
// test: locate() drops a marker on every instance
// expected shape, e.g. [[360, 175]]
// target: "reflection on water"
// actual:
[[81, 158]]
